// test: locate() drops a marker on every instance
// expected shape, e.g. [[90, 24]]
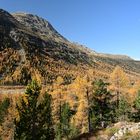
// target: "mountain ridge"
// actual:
[[26, 15], [32, 48]]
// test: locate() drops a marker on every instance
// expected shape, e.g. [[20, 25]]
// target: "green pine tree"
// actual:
[[123, 111], [64, 127], [136, 114], [35, 118], [101, 105], [4, 105]]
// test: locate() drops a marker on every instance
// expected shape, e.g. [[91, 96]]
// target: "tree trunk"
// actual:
[[89, 115], [118, 94]]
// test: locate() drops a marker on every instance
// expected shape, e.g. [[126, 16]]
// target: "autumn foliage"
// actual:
[[86, 104]]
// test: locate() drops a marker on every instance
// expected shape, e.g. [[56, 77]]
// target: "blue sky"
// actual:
[[109, 26]]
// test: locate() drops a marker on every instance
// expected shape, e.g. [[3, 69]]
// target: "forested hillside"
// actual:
[[86, 108], [31, 48]]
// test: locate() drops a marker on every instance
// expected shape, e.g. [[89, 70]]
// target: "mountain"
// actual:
[[31, 48]]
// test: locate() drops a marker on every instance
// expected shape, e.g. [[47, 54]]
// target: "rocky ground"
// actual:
[[118, 131]]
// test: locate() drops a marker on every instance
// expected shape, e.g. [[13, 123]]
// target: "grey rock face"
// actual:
[[123, 130], [38, 25]]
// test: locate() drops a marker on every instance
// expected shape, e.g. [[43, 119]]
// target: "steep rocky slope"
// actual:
[[30, 47]]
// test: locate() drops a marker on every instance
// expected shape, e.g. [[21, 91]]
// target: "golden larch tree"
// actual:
[[81, 87], [120, 82]]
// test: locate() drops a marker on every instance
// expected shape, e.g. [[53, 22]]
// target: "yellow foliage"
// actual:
[[81, 119], [118, 79], [37, 76], [133, 91], [59, 80]]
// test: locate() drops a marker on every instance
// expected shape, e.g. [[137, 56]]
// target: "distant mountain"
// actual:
[[31, 48]]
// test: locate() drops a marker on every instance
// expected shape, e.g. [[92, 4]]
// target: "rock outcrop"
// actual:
[[135, 127]]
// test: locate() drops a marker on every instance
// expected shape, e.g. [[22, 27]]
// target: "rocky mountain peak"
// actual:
[[38, 25]]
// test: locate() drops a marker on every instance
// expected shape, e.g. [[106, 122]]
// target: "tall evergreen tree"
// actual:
[[64, 127], [123, 112], [136, 114], [35, 118], [101, 104], [4, 105]]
